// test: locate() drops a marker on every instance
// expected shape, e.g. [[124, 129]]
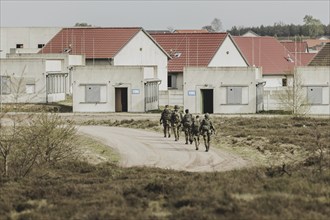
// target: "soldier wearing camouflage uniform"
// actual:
[[195, 130], [176, 119], [187, 123], [206, 130], [165, 119]]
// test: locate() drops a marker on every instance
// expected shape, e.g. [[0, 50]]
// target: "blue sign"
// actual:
[[135, 91], [191, 92]]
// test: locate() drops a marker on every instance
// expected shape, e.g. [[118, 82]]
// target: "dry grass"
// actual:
[[300, 190]]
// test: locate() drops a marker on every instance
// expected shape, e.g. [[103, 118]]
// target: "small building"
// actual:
[[114, 89], [22, 40], [315, 81], [225, 90], [277, 64], [113, 47], [315, 85], [195, 50], [36, 78]]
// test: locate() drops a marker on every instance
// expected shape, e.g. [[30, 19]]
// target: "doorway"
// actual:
[[121, 99], [207, 100]]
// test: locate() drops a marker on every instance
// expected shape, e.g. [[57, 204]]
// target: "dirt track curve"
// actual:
[[146, 148]]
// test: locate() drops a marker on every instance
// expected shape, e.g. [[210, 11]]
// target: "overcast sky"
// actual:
[[150, 15]]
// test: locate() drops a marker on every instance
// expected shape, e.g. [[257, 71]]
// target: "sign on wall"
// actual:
[[135, 91], [191, 92]]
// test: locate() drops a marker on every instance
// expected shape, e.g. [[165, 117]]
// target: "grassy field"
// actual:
[[290, 179]]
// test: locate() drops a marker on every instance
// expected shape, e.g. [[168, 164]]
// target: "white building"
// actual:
[[195, 50], [113, 89], [226, 90], [36, 78], [25, 39], [113, 47]]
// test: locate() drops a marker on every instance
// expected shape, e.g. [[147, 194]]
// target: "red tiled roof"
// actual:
[[295, 47], [303, 59], [191, 31], [93, 42], [189, 49], [322, 58], [316, 42], [266, 52]]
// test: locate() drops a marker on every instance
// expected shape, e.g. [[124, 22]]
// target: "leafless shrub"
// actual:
[[294, 98]]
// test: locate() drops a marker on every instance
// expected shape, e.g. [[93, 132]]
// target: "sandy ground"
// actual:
[[146, 148]]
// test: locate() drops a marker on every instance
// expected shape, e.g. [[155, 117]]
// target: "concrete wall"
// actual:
[[110, 78], [171, 97], [218, 80], [317, 77], [26, 75], [30, 37], [142, 51], [54, 64], [228, 55], [275, 81]]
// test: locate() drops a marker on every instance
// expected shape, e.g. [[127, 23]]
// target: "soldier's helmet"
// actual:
[[207, 116], [176, 107]]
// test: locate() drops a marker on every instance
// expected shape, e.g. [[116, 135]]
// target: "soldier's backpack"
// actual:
[[167, 114], [176, 117], [187, 120], [206, 125]]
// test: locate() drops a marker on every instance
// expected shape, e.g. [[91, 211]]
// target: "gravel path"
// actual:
[[146, 148]]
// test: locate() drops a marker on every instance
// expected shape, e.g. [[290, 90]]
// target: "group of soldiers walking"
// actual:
[[192, 126]]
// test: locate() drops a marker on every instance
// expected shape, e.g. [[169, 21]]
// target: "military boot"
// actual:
[[207, 147]]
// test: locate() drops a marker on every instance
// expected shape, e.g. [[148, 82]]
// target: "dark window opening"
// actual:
[[169, 81], [284, 82], [41, 45], [19, 45], [207, 100]]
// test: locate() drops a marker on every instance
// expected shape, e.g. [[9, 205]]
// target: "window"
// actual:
[[4, 85], [234, 95], [41, 45], [171, 81], [19, 45], [95, 93], [284, 82], [314, 95]]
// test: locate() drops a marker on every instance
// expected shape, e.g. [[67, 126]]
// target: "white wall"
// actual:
[[227, 55], [23, 72], [142, 51], [219, 79], [30, 37], [110, 77], [320, 77]]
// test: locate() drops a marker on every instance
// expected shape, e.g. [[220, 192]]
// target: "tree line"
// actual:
[[311, 28]]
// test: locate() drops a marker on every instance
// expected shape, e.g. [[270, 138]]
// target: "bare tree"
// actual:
[[216, 26], [293, 98], [29, 141]]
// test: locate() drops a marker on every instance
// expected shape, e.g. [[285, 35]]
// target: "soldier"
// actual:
[[187, 123], [176, 119], [206, 130], [165, 119], [195, 130]]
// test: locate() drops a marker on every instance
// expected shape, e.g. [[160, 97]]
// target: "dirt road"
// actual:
[[146, 148]]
